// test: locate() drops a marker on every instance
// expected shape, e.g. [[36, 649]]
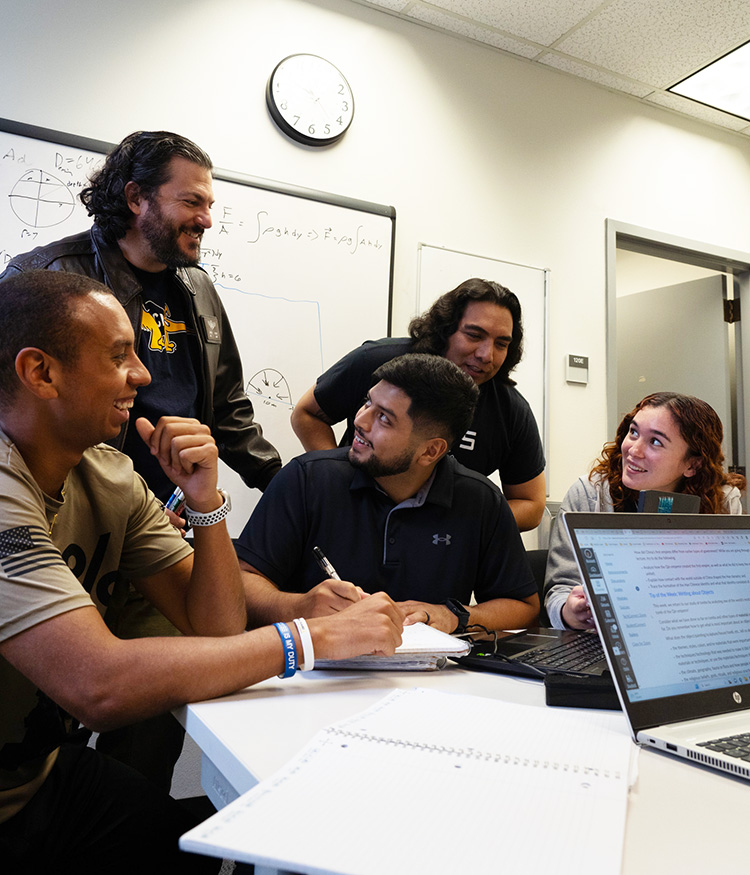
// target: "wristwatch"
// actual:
[[455, 607], [214, 516]]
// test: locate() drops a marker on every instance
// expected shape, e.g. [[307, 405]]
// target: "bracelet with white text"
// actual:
[[290, 650]]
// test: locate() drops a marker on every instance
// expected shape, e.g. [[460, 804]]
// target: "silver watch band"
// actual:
[[211, 518]]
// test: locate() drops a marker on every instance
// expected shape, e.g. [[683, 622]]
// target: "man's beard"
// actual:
[[162, 238], [375, 467]]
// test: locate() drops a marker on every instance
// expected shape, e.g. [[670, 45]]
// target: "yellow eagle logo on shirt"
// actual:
[[159, 323]]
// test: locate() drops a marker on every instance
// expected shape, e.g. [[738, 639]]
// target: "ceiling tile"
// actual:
[[639, 47], [473, 31], [396, 5], [659, 41], [601, 77], [537, 20]]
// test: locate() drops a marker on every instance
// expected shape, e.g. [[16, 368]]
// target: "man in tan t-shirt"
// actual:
[[73, 516]]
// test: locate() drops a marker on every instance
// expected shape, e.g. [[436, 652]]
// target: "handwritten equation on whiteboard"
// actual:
[[263, 226], [41, 182]]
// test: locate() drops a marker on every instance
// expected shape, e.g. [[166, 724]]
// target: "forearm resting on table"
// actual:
[[495, 614], [505, 613], [264, 601], [106, 682]]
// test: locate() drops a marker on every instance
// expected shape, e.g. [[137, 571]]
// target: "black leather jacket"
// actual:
[[225, 406]]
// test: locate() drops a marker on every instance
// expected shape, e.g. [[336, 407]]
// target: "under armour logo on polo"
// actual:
[[446, 539]]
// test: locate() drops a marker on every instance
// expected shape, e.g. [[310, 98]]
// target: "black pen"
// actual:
[[325, 564]]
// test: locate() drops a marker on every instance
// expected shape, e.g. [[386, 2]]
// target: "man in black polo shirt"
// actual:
[[477, 326], [394, 513]]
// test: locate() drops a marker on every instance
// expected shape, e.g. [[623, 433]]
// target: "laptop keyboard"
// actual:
[[575, 655], [737, 746]]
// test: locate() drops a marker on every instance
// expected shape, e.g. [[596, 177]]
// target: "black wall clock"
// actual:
[[310, 100]]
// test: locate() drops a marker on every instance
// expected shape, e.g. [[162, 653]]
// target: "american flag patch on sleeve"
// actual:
[[25, 549]]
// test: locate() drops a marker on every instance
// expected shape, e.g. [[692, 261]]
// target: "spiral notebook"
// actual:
[[399, 787]]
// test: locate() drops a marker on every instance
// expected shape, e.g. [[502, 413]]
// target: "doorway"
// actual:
[[673, 324]]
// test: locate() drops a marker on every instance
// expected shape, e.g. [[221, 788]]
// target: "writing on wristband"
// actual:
[[308, 653], [290, 649]]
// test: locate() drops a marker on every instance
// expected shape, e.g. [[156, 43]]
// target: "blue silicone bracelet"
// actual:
[[290, 650]]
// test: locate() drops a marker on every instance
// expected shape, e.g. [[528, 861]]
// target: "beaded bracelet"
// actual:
[[308, 653], [290, 650]]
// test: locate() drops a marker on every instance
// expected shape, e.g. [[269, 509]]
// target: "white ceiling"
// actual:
[[639, 47]]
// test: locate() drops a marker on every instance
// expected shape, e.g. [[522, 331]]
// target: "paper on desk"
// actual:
[[422, 648], [535, 789]]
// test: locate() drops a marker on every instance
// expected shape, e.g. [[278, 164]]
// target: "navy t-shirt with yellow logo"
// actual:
[[169, 348]]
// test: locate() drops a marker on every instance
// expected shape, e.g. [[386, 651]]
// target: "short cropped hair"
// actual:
[[443, 398], [142, 157], [37, 308], [433, 329]]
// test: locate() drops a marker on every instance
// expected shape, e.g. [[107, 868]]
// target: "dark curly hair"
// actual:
[[142, 157], [700, 428], [432, 330]]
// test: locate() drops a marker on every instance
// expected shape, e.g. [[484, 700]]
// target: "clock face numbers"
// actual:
[[310, 100]]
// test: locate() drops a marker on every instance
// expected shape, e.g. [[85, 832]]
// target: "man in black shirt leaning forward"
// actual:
[[478, 327]]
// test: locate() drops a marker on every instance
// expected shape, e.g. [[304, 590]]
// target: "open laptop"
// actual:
[[536, 653], [670, 594]]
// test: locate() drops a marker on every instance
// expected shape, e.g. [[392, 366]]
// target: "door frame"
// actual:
[[621, 235]]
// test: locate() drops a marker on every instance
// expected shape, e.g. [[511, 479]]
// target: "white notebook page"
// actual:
[[430, 782]]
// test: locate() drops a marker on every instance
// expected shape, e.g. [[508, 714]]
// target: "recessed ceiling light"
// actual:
[[724, 85]]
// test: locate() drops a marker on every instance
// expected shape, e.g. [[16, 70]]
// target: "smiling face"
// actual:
[[174, 217], [384, 442], [654, 453], [479, 346], [97, 388]]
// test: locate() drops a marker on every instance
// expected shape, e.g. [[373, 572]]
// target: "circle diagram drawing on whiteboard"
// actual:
[[269, 384], [41, 200]]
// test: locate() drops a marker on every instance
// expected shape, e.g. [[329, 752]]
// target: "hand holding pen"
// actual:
[[333, 594], [173, 508], [322, 560], [176, 501]]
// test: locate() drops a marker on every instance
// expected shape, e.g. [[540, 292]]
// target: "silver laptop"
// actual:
[[670, 595]]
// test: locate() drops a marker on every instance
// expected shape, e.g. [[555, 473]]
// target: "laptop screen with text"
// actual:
[[672, 599], [678, 602]]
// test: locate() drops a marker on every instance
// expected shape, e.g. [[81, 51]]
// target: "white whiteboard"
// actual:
[[304, 276], [441, 270]]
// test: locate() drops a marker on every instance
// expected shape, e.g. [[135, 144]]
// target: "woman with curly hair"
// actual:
[[669, 442]]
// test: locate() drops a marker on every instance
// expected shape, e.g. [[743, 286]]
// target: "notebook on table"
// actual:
[[422, 648], [670, 594], [378, 792]]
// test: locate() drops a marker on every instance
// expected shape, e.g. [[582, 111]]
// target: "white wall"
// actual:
[[477, 151]]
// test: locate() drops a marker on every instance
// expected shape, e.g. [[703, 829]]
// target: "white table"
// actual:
[[682, 818]]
